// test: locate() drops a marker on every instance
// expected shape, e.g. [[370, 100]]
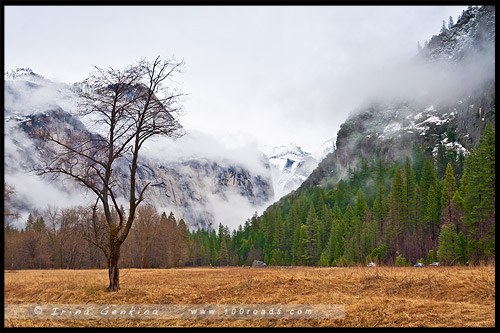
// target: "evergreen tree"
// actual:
[[450, 22], [432, 214], [447, 244], [212, 249], [224, 256], [313, 234], [443, 27], [29, 223], [338, 231], [447, 193], [304, 253], [457, 211], [478, 192], [461, 249], [427, 180], [411, 195], [182, 243]]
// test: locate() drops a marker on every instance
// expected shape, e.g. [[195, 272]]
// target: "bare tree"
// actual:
[[8, 211], [139, 247], [128, 107]]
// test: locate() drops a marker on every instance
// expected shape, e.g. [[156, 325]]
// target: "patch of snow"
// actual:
[[418, 115], [434, 119], [450, 146], [394, 127], [422, 129]]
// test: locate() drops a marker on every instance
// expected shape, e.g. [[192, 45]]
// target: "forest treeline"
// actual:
[[422, 208]]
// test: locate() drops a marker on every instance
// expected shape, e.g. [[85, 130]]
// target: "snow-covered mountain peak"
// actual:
[[26, 74], [290, 166], [291, 149]]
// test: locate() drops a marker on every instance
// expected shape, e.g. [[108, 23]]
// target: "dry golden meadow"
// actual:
[[373, 297]]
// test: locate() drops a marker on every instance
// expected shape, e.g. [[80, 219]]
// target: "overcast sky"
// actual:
[[274, 75]]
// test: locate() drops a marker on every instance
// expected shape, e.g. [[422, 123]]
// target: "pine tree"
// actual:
[[313, 233], [450, 22], [304, 253], [411, 196], [39, 225], [391, 226], [296, 245], [428, 205], [29, 223], [400, 208], [443, 27], [427, 180], [288, 228], [338, 230], [478, 192], [212, 250], [461, 249], [432, 214], [236, 260], [457, 211], [182, 243], [447, 244], [448, 190], [224, 256]]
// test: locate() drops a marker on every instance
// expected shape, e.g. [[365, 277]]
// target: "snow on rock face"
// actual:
[[474, 31], [290, 166], [25, 73], [26, 92], [205, 191], [450, 146], [400, 126], [394, 127]]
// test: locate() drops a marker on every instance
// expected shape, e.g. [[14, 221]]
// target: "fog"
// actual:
[[280, 73], [424, 83], [228, 150], [254, 75]]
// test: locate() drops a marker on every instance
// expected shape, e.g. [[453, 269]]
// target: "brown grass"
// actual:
[[381, 296]]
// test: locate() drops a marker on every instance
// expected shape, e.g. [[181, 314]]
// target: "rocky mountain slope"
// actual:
[[450, 117], [204, 190]]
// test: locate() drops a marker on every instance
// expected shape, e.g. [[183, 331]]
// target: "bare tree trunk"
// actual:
[[113, 270], [127, 104]]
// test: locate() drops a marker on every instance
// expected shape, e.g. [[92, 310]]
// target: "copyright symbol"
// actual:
[[38, 310]]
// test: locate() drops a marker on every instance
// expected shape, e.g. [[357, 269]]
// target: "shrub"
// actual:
[[400, 261]]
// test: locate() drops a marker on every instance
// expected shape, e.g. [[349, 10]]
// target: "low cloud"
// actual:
[[226, 150]]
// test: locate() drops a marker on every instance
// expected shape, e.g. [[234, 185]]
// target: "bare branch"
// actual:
[[128, 107]]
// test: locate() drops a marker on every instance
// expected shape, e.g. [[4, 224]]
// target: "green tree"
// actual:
[[447, 244], [461, 249], [411, 195], [478, 193], [212, 249], [431, 215], [448, 190], [428, 180], [224, 255], [400, 261], [313, 234], [431, 256], [304, 253]]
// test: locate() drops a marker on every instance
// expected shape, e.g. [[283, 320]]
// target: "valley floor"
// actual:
[[380, 296]]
